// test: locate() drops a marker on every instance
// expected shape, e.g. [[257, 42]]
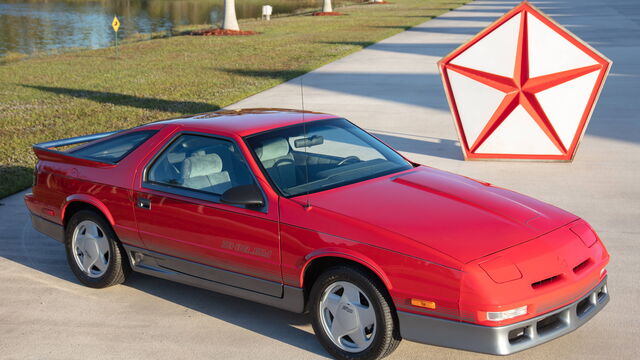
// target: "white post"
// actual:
[[230, 22], [327, 6], [266, 12]]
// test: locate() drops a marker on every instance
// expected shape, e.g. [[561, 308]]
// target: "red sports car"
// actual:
[[307, 212]]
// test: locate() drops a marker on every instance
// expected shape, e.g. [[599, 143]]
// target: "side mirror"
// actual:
[[248, 195]]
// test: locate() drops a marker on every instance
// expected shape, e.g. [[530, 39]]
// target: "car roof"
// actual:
[[245, 122]]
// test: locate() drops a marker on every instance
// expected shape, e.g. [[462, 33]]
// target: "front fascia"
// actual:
[[556, 268], [505, 339]]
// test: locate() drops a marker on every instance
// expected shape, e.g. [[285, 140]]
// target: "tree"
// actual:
[[327, 6], [230, 22]]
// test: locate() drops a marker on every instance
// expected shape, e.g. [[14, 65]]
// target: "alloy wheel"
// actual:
[[347, 316], [90, 247]]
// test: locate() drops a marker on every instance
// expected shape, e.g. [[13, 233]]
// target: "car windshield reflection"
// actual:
[[320, 155]]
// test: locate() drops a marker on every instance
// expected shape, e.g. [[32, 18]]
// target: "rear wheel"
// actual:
[[93, 253], [352, 316]]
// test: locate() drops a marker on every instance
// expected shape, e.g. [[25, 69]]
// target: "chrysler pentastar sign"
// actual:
[[523, 88]]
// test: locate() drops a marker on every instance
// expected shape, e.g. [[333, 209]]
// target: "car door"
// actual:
[[181, 219]]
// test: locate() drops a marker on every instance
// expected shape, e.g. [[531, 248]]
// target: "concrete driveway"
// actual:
[[393, 90]]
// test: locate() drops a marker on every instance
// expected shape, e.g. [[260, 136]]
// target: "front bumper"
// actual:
[[508, 339]]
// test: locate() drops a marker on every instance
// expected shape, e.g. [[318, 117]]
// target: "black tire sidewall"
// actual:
[[115, 261], [386, 329]]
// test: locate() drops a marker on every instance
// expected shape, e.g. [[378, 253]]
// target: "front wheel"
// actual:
[[93, 252], [352, 316]]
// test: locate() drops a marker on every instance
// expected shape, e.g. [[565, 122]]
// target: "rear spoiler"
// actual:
[[49, 145], [47, 150]]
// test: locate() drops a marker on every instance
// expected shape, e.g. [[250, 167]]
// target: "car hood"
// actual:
[[460, 217]]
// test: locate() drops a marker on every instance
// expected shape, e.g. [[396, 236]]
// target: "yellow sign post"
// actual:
[[115, 24]]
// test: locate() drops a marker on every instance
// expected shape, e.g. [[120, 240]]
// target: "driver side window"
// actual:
[[200, 163]]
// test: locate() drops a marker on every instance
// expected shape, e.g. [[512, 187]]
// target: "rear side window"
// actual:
[[114, 149]]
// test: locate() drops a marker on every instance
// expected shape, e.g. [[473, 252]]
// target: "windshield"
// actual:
[[325, 155]]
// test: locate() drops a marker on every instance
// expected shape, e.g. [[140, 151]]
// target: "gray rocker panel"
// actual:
[[222, 281]]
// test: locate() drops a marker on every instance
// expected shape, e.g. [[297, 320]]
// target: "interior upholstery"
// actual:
[[277, 159], [204, 172], [175, 157], [273, 149], [167, 169]]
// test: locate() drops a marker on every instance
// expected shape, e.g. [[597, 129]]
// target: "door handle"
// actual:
[[143, 203]]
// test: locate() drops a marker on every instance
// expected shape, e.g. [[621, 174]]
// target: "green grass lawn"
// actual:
[[82, 92]]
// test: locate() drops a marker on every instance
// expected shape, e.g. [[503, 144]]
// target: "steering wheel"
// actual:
[[347, 159]]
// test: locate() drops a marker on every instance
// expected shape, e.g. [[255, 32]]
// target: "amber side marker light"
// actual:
[[423, 303]]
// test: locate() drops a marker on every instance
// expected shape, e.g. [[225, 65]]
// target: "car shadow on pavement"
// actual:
[[184, 107], [262, 319], [22, 244], [25, 246]]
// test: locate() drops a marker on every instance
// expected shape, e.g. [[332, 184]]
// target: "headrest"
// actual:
[[201, 165], [175, 157], [273, 149]]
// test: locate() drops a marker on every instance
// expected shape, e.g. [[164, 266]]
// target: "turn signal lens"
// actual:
[[423, 303], [504, 315]]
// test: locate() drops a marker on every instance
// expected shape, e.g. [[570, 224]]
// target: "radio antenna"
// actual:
[[304, 131]]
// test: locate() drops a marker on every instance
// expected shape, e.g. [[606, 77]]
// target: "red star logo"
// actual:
[[521, 89]]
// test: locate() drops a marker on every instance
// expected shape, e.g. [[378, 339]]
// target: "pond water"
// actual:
[[28, 26]]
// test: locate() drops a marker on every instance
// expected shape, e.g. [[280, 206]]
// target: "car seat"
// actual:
[[277, 159], [204, 172]]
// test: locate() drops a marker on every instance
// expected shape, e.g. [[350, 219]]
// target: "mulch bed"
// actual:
[[331, 13], [221, 32]]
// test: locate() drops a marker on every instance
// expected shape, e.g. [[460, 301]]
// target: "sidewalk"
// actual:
[[392, 89]]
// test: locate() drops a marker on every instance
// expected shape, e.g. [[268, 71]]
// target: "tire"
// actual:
[[347, 290], [93, 251]]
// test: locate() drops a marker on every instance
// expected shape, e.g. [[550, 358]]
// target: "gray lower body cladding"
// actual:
[[51, 229], [171, 268], [504, 340], [222, 281]]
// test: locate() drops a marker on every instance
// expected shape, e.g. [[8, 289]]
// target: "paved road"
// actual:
[[392, 89]]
